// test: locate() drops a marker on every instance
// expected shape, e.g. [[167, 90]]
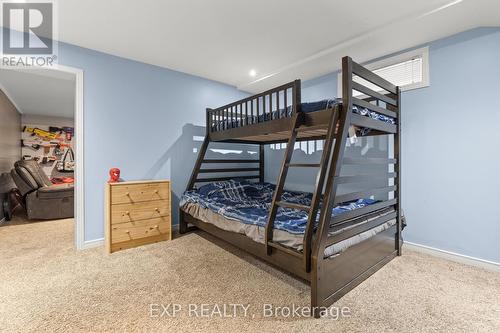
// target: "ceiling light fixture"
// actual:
[[252, 73]]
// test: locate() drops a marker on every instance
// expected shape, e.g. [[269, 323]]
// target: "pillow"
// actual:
[[212, 189]]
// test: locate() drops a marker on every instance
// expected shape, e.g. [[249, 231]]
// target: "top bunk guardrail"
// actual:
[[374, 93], [383, 97], [266, 117], [276, 103]]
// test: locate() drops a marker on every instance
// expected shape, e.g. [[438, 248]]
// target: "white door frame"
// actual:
[[79, 170], [80, 243]]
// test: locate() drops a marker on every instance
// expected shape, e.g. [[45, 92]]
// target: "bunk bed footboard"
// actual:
[[335, 276]]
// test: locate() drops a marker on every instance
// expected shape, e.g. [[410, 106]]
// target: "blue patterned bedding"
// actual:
[[306, 108], [250, 202]]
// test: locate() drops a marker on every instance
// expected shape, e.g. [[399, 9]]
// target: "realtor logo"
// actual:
[[28, 33], [34, 20]]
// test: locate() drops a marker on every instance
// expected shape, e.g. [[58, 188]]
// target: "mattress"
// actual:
[[294, 241], [242, 207], [249, 202], [306, 108]]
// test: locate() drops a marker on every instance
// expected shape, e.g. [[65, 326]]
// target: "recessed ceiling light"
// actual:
[[252, 73]]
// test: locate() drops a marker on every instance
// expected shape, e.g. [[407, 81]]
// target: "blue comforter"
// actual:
[[250, 202]]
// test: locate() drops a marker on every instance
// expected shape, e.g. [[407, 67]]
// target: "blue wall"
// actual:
[[450, 154], [141, 119], [451, 160]]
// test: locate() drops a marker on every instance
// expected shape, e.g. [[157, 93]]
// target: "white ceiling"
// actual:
[[40, 91], [281, 39]]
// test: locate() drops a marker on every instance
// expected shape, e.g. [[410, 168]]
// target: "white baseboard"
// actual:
[[93, 243], [456, 257], [88, 244]]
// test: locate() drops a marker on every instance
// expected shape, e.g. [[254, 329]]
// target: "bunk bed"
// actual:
[[333, 241]]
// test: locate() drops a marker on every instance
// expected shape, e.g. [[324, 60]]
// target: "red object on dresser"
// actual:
[[114, 175]]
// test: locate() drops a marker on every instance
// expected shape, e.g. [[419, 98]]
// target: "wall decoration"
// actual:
[[52, 147]]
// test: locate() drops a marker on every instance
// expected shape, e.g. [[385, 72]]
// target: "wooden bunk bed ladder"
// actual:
[[317, 194], [280, 185]]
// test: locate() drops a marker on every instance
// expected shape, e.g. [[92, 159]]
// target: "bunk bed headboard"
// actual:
[[383, 97], [279, 102]]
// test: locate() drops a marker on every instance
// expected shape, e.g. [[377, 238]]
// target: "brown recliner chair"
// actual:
[[43, 199]]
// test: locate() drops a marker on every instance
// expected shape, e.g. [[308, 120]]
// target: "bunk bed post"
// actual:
[[297, 98], [261, 163], [317, 274], [397, 170], [208, 121]]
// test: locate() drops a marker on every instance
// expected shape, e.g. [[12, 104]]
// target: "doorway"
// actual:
[[67, 80]]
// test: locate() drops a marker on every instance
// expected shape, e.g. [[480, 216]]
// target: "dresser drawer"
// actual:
[[139, 211], [129, 231], [134, 193]]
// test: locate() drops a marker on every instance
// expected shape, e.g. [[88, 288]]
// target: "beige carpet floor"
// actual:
[[47, 286]]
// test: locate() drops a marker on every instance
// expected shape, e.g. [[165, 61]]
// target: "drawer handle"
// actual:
[[157, 210], [127, 194], [126, 231], [127, 213], [156, 191]]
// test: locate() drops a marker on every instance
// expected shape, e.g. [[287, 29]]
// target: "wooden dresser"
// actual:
[[137, 213]]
